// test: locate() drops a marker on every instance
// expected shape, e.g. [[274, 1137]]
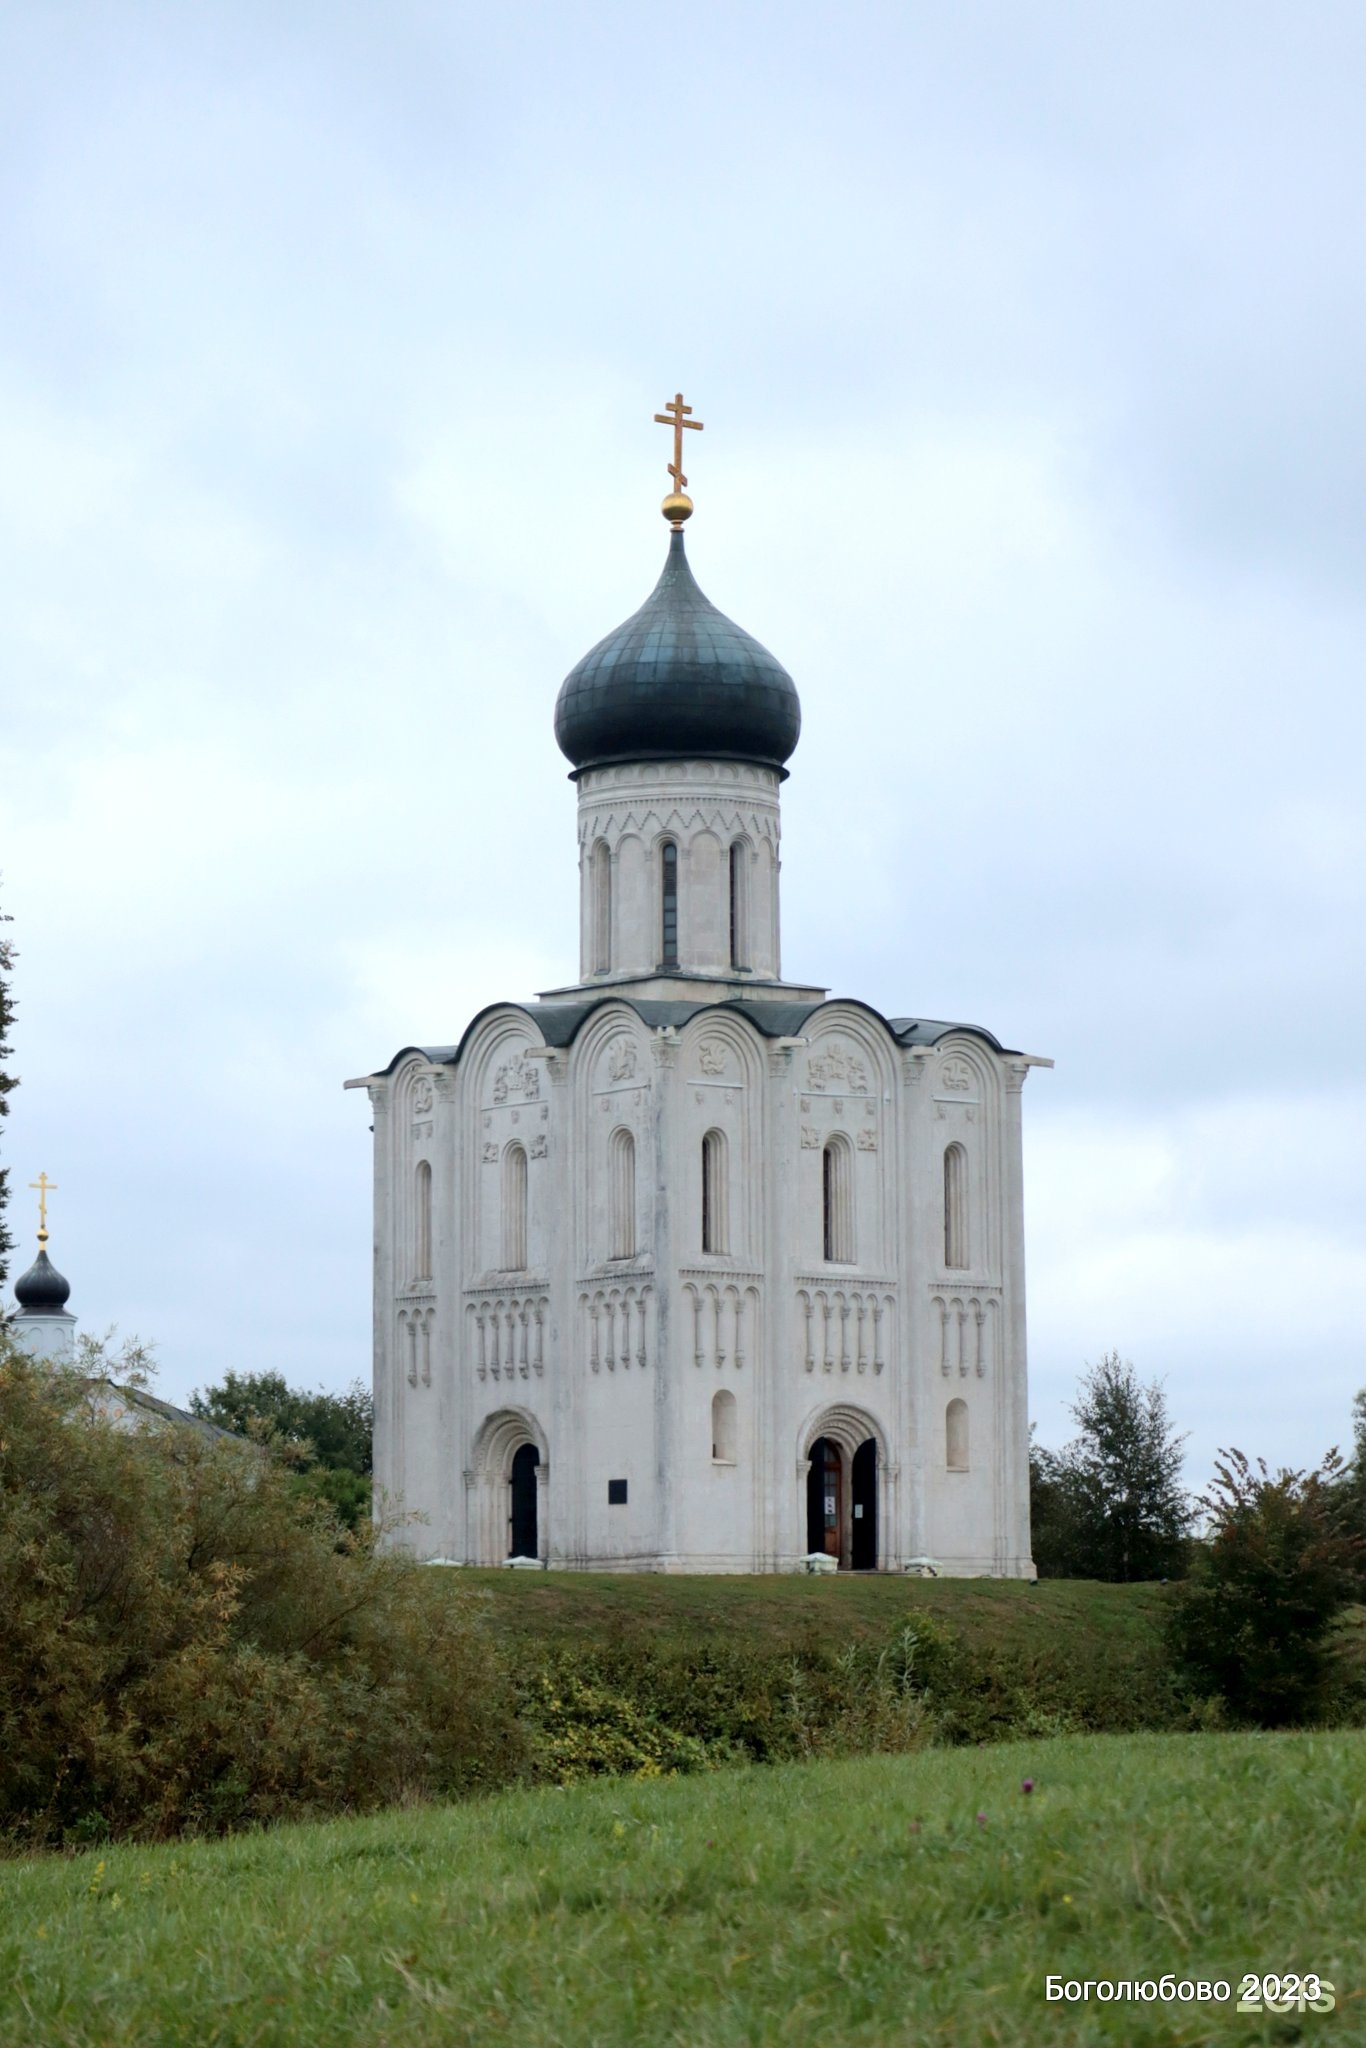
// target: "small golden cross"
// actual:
[[43, 1185], [674, 415]]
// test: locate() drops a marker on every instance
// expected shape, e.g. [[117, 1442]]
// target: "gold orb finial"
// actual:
[[677, 506]]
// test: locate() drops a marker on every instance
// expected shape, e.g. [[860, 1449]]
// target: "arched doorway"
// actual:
[[844, 1466], [522, 1521], [508, 1483]]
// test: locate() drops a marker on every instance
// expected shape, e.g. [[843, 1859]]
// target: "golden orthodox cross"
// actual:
[[675, 415], [43, 1185]]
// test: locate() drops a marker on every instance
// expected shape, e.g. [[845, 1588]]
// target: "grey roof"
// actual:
[[560, 1023], [138, 1397], [678, 678]]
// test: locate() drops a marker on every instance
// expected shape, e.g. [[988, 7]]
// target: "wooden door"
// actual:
[[825, 1498]]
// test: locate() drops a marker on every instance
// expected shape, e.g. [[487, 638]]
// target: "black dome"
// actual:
[[42, 1291], [677, 679]]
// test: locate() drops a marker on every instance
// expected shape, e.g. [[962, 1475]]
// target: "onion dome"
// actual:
[[678, 680], [42, 1291]]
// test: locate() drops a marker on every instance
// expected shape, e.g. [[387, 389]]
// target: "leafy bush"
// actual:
[[581, 1729], [682, 1707], [1253, 1625], [187, 1643]]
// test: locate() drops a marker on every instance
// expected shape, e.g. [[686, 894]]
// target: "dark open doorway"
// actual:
[[522, 1529], [863, 1533]]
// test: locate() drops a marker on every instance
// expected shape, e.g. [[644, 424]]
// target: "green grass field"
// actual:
[[777, 1610], [880, 1900]]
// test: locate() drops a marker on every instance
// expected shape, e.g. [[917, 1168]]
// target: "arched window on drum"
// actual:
[[601, 907]]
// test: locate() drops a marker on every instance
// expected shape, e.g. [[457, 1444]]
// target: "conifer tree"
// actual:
[[1110, 1505], [7, 1081]]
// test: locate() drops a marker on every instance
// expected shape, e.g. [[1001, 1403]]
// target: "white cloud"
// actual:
[[1028, 348]]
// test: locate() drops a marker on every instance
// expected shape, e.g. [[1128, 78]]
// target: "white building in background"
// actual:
[[41, 1324], [685, 1267]]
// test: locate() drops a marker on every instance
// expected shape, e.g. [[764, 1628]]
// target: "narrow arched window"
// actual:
[[956, 1436], [739, 905], [668, 904], [715, 1193], [514, 1209], [723, 1429], [621, 1195], [602, 907], [837, 1198], [955, 1206], [422, 1221]]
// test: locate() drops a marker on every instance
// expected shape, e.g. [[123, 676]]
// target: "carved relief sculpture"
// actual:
[[517, 1076]]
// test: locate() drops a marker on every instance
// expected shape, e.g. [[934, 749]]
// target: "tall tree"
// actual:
[[7, 1081], [1352, 1484], [1111, 1504], [326, 1437]]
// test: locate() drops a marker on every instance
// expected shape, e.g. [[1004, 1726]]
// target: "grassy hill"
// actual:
[[621, 1673], [776, 1611], [874, 1901]]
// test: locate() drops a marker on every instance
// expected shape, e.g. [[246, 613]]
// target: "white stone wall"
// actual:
[[705, 807], [50, 1337], [610, 1364]]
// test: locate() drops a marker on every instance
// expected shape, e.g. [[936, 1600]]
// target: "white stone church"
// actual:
[[685, 1267]]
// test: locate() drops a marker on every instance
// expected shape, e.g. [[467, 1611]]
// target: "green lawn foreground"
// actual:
[[853, 1902]]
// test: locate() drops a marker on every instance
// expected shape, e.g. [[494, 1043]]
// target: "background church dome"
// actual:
[[42, 1291], [677, 679]]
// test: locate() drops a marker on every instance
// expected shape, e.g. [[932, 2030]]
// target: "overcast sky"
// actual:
[[1029, 343]]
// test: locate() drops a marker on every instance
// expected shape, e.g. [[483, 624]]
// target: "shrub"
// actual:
[[188, 1643], [1253, 1625], [581, 1729]]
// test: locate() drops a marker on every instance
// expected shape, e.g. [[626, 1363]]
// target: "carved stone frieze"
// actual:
[[711, 1056], [834, 1065], [621, 1059], [517, 1076]]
